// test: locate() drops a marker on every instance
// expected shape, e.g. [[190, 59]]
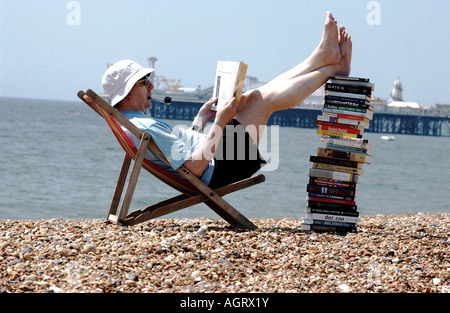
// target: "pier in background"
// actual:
[[420, 122]]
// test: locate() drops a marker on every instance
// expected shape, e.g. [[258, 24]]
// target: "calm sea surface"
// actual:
[[60, 160]]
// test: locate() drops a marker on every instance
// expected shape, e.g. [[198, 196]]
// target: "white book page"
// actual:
[[224, 86]]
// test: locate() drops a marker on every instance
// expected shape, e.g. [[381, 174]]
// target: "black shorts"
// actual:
[[236, 158]]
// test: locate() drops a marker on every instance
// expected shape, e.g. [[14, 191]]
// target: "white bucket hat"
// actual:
[[120, 77]]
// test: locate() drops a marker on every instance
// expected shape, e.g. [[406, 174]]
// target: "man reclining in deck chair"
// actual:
[[130, 89]]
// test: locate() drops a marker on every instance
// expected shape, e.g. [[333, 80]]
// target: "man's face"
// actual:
[[140, 95]]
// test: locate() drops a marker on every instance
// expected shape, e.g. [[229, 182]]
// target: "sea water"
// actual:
[[60, 160]]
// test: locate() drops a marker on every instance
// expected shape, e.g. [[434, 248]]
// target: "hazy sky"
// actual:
[[50, 49]]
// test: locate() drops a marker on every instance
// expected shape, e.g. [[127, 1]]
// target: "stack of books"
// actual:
[[333, 178]]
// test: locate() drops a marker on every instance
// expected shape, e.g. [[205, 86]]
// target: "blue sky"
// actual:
[[43, 56]]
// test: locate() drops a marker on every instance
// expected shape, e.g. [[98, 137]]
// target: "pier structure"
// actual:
[[410, 124], [423, 122], [176, 110]]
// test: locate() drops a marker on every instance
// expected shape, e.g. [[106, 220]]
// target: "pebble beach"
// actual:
[[388, 254]]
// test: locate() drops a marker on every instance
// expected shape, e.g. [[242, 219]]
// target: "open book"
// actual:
[[230, 77]]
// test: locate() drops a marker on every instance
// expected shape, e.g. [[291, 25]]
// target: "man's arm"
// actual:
[[204, 115], [201, 157]]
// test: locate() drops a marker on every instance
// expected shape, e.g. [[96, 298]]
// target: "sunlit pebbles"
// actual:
[[389, 253]]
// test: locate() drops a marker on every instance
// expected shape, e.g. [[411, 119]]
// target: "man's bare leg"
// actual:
[[327, 52], [257, 105], [260, 104]]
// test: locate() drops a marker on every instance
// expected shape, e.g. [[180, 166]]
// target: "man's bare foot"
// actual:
[[345, 47], [328, 48]]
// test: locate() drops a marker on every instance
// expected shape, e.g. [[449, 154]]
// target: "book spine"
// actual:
[[240, 81], [352, 128], [320, 228], [330, 119], [366, 84], [348, 104], [347, 108], [348, 88], [348, 177], [331, 161], [327, 223], [331, 183], [325, 210], [330, 223], [330, 190], [331, 197], [335, 133], [329, 97], [348, 202], [347, 95], [332, 206], [357, 171], [346, 148], [355, 140], [343, 155], [346, 143], [346, 116], [368, 115], [332, 218]]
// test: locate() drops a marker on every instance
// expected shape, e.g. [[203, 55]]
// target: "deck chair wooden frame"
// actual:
[[193, 190]]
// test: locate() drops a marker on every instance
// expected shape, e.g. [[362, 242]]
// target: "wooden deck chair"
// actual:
[[193, 190]]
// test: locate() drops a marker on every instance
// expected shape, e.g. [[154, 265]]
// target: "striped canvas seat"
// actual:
[[179, 184]]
